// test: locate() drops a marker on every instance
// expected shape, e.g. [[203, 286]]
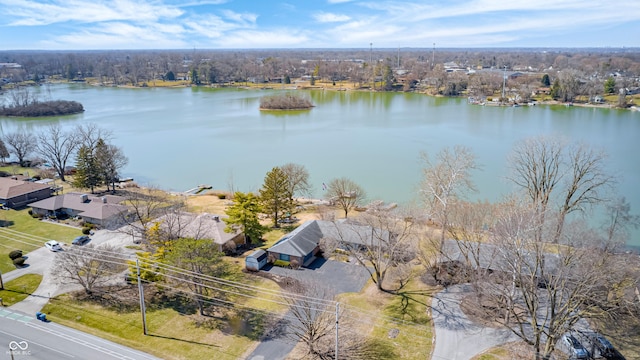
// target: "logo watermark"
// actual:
[[20, 348]]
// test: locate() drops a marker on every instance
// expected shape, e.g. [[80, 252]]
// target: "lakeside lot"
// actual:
[[176, 331]]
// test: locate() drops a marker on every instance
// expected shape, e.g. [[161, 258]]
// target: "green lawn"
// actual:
[[171, 335], [18, 289], [37, 232], [381, 313], [173, 332]]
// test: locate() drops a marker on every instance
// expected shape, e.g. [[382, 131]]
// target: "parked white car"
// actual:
[[53, 245]]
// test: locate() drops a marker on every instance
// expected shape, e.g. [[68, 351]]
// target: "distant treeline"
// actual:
[[43, 108]]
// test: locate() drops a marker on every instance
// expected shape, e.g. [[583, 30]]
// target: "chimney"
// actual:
[[104, 200], [84, 198]]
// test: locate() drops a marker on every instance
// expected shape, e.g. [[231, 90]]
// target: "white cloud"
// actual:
[[280, 38], [30, 13], [119, 36], [324, 17]]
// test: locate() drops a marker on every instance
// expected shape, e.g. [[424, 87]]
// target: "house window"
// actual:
[[284, 257]]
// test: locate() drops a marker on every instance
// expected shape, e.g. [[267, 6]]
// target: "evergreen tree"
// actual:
[[4, 153], [610, 85], [556, 90], [243, 216], [109, 159], [274, 194], [287, 79], [170, 76], [545, 80], [194, 77], [387, 78], [87, 174]]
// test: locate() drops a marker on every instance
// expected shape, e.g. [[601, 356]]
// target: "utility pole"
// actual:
[[337, 312], [433, 56], [373, 73], [141, 292], [1, 282], [504, 80]]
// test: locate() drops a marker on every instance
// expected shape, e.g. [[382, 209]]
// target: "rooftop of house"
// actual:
[[198, 226], [306, 237], [10, 188], [96, 207]]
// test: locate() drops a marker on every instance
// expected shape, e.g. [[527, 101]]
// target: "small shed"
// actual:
[[256, 260]]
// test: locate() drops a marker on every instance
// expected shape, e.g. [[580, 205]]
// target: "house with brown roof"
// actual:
[[100, 210], [16, 193], [202, 226]]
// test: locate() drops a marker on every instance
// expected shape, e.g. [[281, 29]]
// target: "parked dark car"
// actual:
[[575, 347], [81, 240], [602, 344]]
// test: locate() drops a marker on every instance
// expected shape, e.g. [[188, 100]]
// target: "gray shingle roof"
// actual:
[[306, 237], [300, 241]]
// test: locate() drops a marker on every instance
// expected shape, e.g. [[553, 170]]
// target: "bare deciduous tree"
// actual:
[[89, 266], [109, 160], [56, 146], [21, 144], [558, 178], [469, 231], [90, 133], [345, 193], [298, 179], [541, 291], [381, 241], [313, 322], [144, 207], [446, 179], [201, 259]]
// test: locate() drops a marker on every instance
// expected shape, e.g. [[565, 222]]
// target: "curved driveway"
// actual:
[[457, 337]]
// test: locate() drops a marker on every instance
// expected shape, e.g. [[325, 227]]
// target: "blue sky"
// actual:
[[256, 24]]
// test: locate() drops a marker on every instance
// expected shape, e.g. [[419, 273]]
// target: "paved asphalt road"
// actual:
[[31, 339]]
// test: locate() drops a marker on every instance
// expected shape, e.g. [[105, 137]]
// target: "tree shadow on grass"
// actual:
[[183, 340], [410, 305]]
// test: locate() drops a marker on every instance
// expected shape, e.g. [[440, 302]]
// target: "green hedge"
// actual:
[[282, 263]]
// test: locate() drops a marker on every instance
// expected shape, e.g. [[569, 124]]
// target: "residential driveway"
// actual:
[[338, 277], [457, 337], [40, 261]]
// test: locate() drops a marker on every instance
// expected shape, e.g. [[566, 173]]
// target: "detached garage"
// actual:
[[256, 260]]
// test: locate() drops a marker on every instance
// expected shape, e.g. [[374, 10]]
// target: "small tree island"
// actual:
[[37, 108], [285, 102]]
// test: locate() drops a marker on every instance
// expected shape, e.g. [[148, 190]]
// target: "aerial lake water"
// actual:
[[179, 138]]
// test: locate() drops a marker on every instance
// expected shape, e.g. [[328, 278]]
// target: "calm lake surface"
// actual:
[[179, 138]]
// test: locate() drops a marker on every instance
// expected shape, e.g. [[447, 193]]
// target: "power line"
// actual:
[[235, 287]]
